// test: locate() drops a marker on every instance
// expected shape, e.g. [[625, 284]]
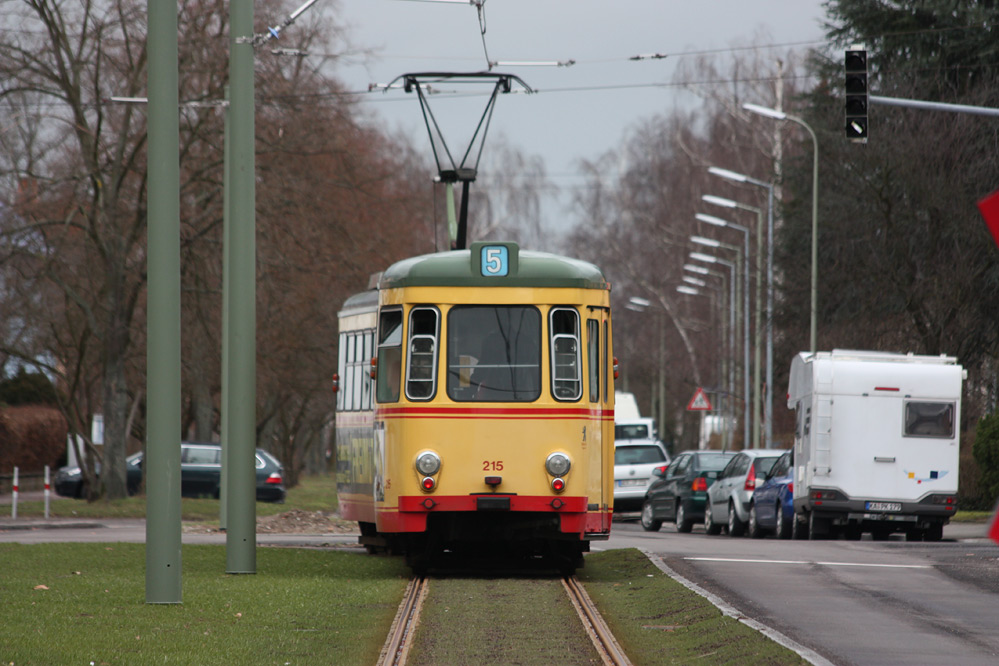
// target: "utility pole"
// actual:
[[162, 462]]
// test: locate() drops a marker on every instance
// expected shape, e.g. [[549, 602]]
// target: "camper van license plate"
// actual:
[[883, 506]]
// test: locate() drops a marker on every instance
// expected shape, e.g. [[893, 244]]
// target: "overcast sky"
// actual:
[[579, 111]]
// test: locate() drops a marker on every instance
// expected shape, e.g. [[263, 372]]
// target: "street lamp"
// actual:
[[729, 203], [780, 115], [718, 222], [768, 399], [733, 314]]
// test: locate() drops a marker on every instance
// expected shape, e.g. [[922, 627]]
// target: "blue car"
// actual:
[[772, 508]]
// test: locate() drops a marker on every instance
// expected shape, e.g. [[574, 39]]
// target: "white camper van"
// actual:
[[876, 444]]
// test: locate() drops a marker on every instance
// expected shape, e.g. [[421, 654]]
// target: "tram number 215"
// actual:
[[492, 465]]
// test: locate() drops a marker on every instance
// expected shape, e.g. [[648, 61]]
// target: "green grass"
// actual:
[[658, 621], [529, 622], [85, 603], [314, 493], [972, 516]]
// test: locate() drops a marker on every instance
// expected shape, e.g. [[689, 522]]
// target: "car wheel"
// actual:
[[649, 524], [783, 525], [683, 524], [753, 528], [818, 528], [799, 528], [710, 526], [735, 526], [934, 532]]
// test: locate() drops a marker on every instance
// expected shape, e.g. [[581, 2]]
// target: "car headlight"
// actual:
[[557, 464], [428, 463]]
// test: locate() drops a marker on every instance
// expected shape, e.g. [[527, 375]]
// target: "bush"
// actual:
[[28, 389], [986, 452]]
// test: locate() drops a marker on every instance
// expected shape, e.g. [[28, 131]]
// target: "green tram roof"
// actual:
[[461, 268]]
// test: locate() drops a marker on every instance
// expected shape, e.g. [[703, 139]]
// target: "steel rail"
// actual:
[[396, 648], [608, 647]]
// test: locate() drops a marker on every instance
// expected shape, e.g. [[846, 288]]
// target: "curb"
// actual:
[[9, 526]]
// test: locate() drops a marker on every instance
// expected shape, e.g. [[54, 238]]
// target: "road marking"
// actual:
[[825, 564]]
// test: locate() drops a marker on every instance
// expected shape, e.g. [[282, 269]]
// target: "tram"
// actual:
[[475, 406]]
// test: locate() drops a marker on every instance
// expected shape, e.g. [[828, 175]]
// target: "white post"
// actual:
[[47, 492], [13, 506]]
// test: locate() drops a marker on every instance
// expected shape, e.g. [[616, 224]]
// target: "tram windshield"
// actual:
[[494, 353]]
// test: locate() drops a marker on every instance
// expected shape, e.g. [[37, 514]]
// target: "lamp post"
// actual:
[[733, 317], [758, 333], [703, 434], [718, 222], [780, 115], [637, 304], [769, 393]]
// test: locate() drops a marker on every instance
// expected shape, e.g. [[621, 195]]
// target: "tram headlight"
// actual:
[[428, 463], [557, 464]]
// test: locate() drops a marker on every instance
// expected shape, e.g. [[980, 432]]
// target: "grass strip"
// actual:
[[313, 493], [85, 604], [658, 621], [529, 622]]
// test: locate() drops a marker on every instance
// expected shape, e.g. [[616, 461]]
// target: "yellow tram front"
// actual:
[[492, 417]]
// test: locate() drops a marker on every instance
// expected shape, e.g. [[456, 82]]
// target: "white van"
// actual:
[[876, 446]]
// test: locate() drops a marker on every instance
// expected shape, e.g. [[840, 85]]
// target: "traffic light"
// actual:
[[856, 95]]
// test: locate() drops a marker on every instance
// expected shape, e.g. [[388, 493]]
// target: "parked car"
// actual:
[[200, 474], [773, 502], [679, 491], [731, 495], [634, 461]]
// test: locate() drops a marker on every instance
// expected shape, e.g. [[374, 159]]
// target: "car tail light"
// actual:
[[790, 487], [700, 484], [750, 478], [274, 478]]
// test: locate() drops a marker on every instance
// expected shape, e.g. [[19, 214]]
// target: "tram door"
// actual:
[[601, 398]]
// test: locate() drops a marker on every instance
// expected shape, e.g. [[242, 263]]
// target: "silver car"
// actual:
[[634, 460], [730, 496]]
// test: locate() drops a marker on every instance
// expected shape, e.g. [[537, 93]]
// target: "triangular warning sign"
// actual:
[[700, 402]]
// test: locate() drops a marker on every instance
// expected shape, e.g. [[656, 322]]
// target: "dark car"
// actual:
[[678, 491], [773, 502], [200, 474]]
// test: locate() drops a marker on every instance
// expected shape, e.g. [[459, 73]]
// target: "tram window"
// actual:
[[593, 357], [564, 330], [494, 353], [369, 339], [389, 355], [421, 372], [349, 376], [608, 371], [341, 368], [357, 388]]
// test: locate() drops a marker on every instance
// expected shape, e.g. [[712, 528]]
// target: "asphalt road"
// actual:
[[853, 602]]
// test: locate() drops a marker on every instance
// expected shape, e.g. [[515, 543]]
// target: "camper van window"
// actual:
[[929, 419]]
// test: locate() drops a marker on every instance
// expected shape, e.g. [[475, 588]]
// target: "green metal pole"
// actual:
[[241, 494], [162, 459], [226, 284]]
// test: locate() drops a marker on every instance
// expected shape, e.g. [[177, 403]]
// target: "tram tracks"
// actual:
[[395, 651]]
